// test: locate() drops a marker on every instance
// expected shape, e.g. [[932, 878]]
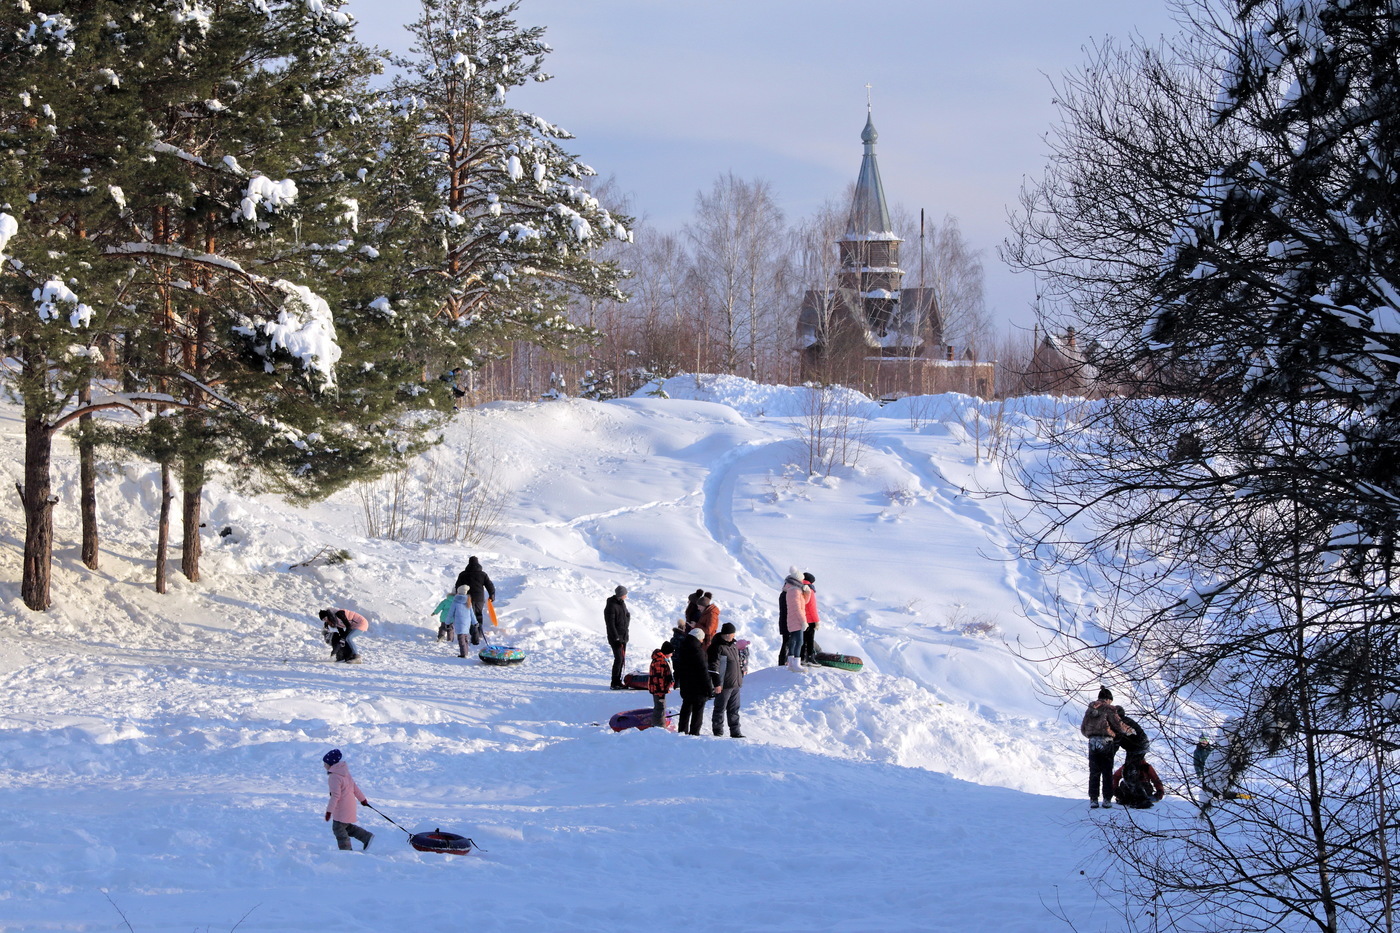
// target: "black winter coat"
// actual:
[[616, 616], [692, 672], [726, 664], [479, 585]]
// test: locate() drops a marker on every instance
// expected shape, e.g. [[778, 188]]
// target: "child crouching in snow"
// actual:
[[342, 810]]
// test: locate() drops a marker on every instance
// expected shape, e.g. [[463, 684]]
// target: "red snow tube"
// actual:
[[639, 719], [441, 843], [636, 680]]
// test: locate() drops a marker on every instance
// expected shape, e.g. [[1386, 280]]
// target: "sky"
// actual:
[[667, 96]]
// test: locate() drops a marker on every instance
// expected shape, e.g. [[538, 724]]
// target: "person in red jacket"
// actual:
[[659, 681], [1133, 792], [709, 619], [809, 637], [341, 810]]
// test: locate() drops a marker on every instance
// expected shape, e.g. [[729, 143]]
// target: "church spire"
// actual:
[[870, 217]]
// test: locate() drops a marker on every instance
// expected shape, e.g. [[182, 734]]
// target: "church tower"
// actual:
[[862, 327], [869, 249]]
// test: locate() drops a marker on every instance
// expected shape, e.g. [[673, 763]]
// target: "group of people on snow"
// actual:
[[1108, 728], [460, 615], [705, 659]]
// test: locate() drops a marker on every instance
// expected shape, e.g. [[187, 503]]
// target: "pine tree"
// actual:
[[195, 174], [512, 227]]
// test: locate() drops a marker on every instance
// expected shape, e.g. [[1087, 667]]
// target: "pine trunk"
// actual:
[[192, 488], [87, 483], [36, 494], [163, 536]]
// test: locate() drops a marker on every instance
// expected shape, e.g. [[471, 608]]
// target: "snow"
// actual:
[[304, 328], [160, 755], [266, 193]]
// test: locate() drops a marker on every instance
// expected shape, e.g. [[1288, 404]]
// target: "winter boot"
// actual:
[[1108, 803], [794, 664], [369, 837], [1094, 804]]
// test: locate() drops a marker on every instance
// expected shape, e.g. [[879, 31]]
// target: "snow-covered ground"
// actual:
[[160, 755]]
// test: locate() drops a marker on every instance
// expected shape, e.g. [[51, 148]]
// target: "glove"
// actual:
[[365, 802], [328, 816]]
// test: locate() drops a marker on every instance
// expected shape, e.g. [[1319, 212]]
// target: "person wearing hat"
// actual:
[[809, 637], [341, 811], [728, 663], [796, 594], [1102, 725], [693, 679], [709, 618], [480, 589], [659, 681], [616, 619]]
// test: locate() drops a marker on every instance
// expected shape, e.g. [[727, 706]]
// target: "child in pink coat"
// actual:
[[341, 810]]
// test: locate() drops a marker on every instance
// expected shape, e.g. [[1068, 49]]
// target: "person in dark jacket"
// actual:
[[692, 609], [616, 619], [1103, 725], [782, 627], [480, 588], [727, 663], [1141, 789], [693, 679], [659, 681], [809, 637]]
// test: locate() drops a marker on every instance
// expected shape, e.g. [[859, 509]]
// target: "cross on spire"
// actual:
[[867, 98]]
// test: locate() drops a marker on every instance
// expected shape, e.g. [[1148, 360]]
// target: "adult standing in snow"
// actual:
[[709, 618], [693, 679], [809, 637], [480, 587], [796, 595], [616, 618], [659, 681], [1102, 726], [727, 668], [692, 610], [341, 810]]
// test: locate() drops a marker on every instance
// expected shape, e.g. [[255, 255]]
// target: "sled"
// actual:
[[491, 611], [846, 662], [441, 843], [639, 719], [501, 655], [636, 680], [435, 841]]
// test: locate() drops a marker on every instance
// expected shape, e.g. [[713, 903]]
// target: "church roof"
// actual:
[[870, 217]]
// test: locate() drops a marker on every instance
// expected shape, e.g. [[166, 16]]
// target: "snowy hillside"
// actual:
[[159, 755]]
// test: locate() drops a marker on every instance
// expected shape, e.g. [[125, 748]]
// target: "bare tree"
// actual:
[[738, 243]]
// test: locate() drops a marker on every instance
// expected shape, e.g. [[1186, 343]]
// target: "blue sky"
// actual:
[[665, 96]]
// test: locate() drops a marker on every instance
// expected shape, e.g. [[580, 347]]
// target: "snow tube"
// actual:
[[636, 680], [639, 719], [846, 662], [442, 843], [501, 654]]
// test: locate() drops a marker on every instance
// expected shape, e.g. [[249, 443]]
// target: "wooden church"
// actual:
[[867, 330]]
